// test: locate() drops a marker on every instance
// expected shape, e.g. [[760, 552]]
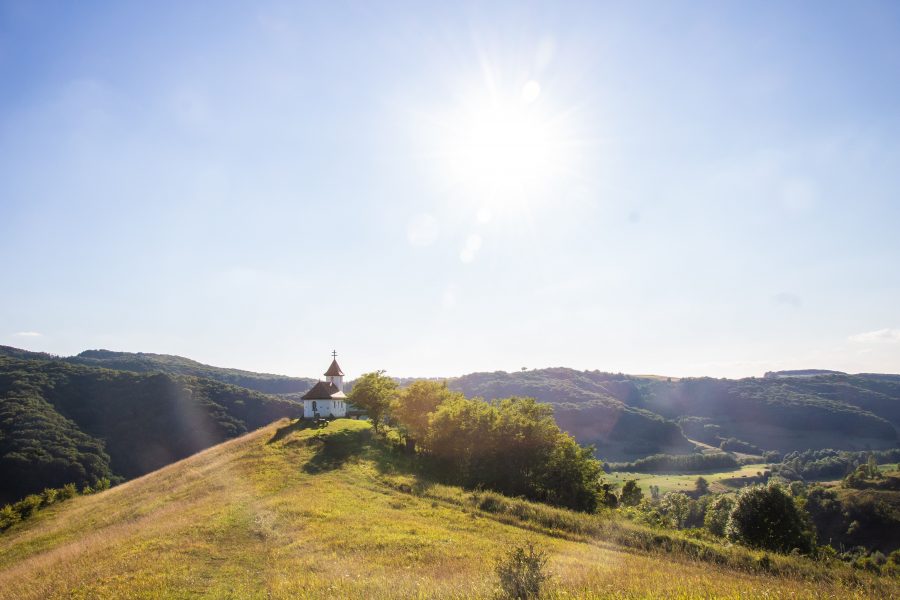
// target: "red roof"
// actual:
[[323, 390], [334, 370]]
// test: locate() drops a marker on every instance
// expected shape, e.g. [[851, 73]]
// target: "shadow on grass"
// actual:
[[334, 448], [283, 432]]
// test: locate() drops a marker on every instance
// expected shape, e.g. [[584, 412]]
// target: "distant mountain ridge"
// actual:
[[802, 373], [146, 362]]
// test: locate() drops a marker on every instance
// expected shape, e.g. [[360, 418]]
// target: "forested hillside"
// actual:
[[62, 423], [142, 362], [592, 406], [146, 362], [631, 415]]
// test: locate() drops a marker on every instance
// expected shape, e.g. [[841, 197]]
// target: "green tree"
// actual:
[[413, 406], [512, 446], [767, 517], [461, 443], [701, 486], [571, 476], [607, 496], [631, 494], [872, 467], [373, 392], [717, 514], [677, 507]]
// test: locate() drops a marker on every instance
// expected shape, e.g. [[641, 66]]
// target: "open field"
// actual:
[[289, 512], [720, 481]]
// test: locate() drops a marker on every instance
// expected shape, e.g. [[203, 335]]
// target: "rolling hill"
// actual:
[[628, 416], [146, 362], [62, 423], [288, 511]]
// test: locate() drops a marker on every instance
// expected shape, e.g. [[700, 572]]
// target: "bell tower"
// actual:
[[334, 374]]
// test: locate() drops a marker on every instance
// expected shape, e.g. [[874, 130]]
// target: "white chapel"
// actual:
[[326, 398]]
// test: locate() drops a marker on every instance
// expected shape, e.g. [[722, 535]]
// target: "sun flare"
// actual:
[[503, 148]]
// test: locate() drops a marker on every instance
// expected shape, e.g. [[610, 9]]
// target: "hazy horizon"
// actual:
[[352, 374], [682, 190]]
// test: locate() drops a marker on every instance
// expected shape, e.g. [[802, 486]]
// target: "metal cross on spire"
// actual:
[[334, 354]]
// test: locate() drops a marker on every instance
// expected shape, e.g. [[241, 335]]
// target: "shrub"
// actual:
[[67, 491], [521, 572], [11, 514], [28, 505], [717, 514], [894, 557], [49, 496], [677, 507], [767, 518], [701, 486], [631, 494], [8, 517]]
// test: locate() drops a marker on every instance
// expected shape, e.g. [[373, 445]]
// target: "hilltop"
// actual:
[[287, 511]]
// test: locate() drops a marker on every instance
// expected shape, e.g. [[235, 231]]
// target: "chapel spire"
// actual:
[[334, 374]]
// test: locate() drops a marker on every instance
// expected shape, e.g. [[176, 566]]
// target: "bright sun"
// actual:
[[502, 149]]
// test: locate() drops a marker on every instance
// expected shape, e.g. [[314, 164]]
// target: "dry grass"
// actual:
[[257, 518]]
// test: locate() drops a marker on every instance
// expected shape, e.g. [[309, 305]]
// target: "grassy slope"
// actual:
[[278, 514]]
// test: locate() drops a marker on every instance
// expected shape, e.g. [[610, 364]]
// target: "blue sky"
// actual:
[[678, 188]]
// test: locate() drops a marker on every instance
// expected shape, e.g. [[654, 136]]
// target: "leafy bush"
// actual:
[[677, 507], [522, 572], [701, 486], [8, 517], [25, 508], [49, 496], [631, 494], [766, 517], [28, 505], [717, 514]]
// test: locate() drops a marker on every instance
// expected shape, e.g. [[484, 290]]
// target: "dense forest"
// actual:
[[64, 423]]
